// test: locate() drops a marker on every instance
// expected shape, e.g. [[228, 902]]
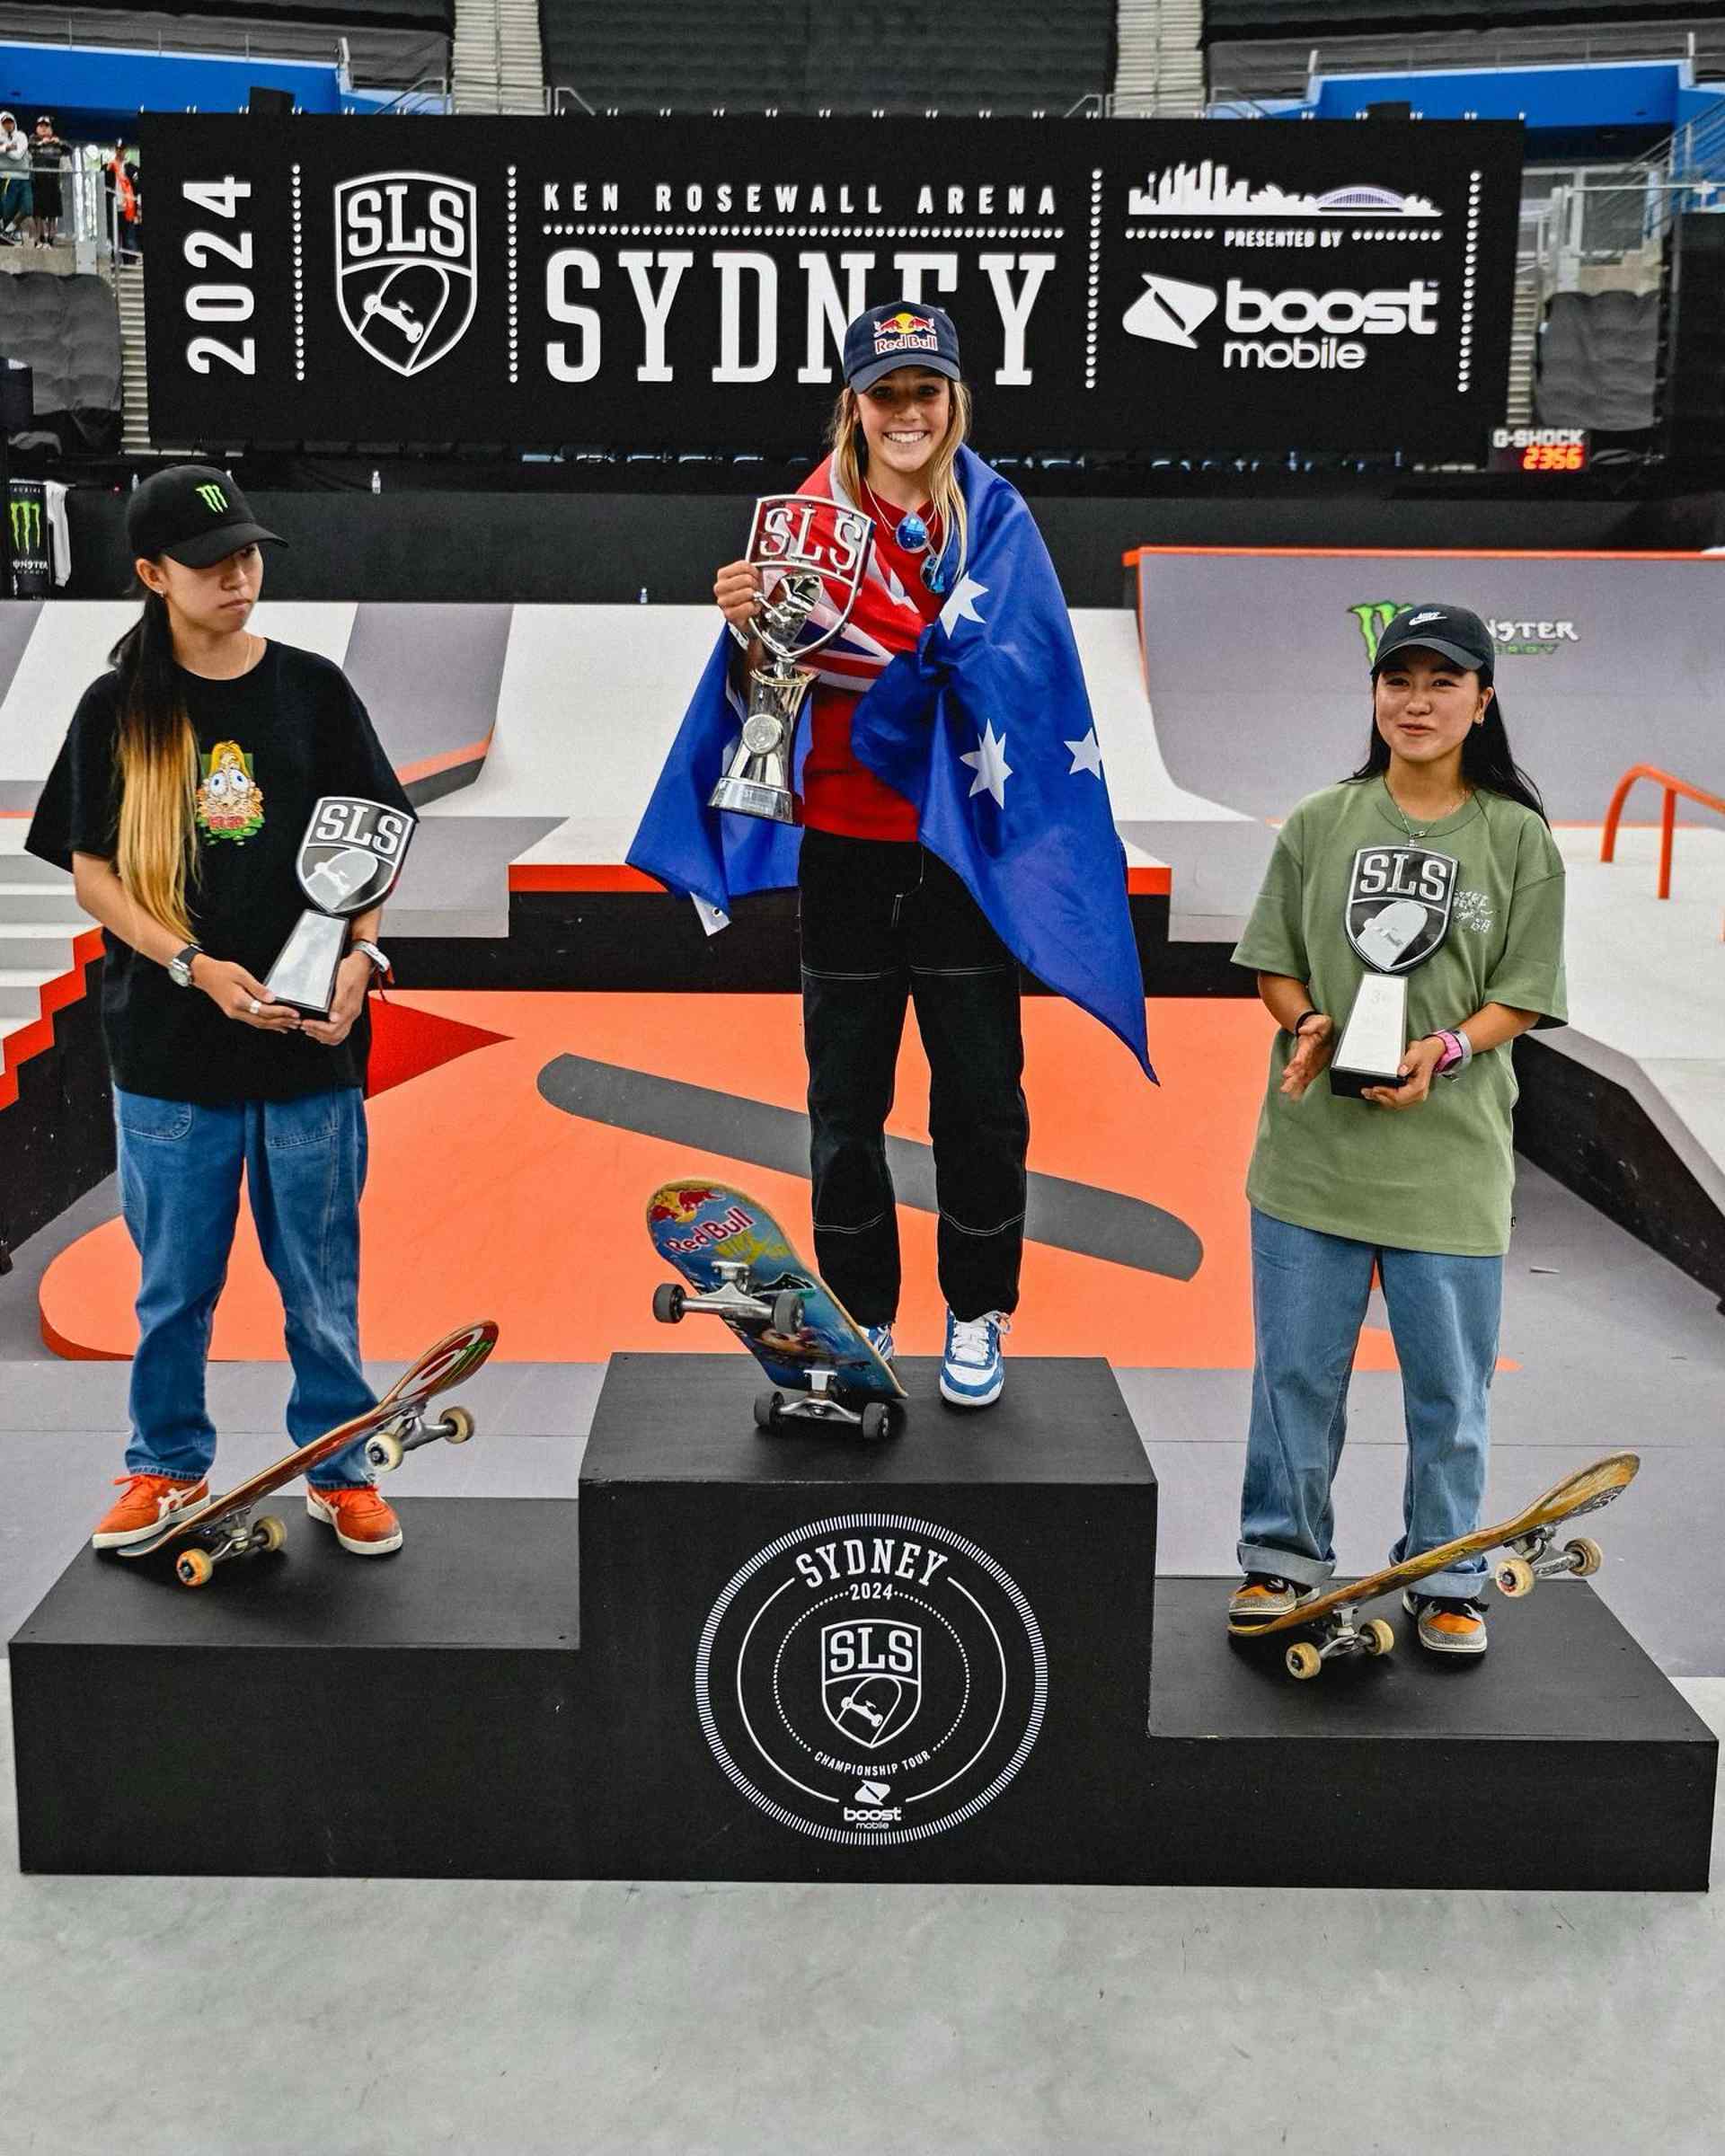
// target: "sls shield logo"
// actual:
[[407, 265], [871, 1678], [1399, 903]]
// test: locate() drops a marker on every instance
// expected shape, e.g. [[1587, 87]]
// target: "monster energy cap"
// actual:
[[1451, 632], [193, 513]]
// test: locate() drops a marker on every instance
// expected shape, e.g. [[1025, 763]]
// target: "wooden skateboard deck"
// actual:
[[221, 1527], [1527, 1536], [744, 1269]]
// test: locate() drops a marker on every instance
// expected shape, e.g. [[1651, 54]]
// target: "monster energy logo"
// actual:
[[26, 526], [1373, 620], [212, 498]]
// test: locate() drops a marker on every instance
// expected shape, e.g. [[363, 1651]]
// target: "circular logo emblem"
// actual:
[[871, 1678]]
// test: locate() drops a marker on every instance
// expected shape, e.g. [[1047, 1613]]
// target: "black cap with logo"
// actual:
[[900, 333], [193, 513], [1451, 632]]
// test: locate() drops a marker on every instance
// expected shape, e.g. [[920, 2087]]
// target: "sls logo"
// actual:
[[871, 1678], [407, 265]]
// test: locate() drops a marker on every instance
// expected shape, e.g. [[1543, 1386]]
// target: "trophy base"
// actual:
[[749, 796]]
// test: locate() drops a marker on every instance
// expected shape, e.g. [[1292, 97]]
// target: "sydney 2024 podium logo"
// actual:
[[871, 1678]]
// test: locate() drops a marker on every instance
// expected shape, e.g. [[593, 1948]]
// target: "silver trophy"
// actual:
[[349, 861], [813, 554], [1396, 914]]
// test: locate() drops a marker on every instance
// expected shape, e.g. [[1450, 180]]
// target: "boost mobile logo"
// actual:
[[1316, 330], [870, 1678], [406, 265]]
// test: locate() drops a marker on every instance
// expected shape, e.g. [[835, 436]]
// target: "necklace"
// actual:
[[912, 533], [1431, 820]]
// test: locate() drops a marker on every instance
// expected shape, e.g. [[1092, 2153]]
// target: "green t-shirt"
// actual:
[[1438, 1177]]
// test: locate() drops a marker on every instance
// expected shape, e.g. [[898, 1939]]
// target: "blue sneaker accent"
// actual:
[[972, 1371], [880, 1337]]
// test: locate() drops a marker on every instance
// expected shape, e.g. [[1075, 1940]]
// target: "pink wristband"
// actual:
[[1452, 1054]]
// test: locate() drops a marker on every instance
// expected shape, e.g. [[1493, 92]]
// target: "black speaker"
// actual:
[[272, 104], [1695, 379], [1391, 108], [17, 396]]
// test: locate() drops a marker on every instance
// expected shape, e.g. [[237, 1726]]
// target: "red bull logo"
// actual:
[[682, 1203], [904, 332], [707, 1232]]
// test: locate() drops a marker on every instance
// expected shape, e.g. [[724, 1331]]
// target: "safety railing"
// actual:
[[1667, 814]]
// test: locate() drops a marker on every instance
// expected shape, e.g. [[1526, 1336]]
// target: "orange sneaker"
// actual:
[[364, 1523], [143, 1502]]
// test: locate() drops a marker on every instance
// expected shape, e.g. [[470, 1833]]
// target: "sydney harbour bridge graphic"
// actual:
[[1207, 189]]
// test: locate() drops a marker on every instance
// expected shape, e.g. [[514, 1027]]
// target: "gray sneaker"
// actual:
[[1261, 1596], [1447, 1627]]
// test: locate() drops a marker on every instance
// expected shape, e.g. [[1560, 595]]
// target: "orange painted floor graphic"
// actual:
[[486, 1199]]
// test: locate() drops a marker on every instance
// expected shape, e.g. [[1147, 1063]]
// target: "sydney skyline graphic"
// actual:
[[1210, 189]]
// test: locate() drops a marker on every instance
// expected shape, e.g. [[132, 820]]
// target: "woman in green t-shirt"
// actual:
[[1414, 1177]]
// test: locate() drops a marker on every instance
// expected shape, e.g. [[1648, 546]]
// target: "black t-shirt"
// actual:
[[270, 743]]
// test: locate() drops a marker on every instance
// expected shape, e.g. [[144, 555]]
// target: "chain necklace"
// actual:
[[1466, 795]]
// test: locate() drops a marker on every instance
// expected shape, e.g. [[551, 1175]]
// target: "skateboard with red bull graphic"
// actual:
[[222, 1527], [744, 1269]]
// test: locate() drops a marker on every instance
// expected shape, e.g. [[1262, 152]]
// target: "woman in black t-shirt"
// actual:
[[178, 801]]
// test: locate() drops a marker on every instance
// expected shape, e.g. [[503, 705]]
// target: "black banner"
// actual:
[[1159, 285]]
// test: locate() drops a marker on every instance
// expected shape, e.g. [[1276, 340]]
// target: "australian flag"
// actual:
[[985, 727]]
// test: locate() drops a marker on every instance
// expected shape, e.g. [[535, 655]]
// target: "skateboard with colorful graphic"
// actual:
[[744, 1269], [1527, 1538], [222, 1527]]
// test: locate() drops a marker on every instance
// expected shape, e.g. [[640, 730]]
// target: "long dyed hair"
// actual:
[[850, 449], [157, 753]]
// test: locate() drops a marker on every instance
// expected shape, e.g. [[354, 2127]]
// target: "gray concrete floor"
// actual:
[[370, 2015]]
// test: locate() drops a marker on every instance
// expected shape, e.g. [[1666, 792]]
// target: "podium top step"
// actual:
[[687, 1418]]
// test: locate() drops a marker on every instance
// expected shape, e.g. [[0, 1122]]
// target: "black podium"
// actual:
[[792, 1656]]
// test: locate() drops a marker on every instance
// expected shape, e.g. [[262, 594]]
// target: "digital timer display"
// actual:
[[1554, 456], [1539, 450]]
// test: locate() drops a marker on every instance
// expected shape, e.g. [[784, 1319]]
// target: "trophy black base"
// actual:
[[1349, 1085]]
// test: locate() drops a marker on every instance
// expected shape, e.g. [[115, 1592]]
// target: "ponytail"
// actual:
[[157, 753]]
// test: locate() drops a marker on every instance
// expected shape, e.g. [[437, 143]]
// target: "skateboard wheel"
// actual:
[[877, 1421], [767, 1409], [384, 1451], [456, 1427], [787, 1310], [1515, 1578], [668, 1303], [1587, 1554], [194, 1568], [1302, 1661], [1378, 1637], [268, 1532]]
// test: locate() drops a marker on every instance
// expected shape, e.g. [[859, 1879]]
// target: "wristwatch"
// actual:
[[180, 965], [379, 959]]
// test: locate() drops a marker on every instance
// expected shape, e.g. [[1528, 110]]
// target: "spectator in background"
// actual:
[[15, 178], [46, 151], [128, 209]]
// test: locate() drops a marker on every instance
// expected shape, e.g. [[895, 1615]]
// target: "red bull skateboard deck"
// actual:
[[1527, 1538], [744, 1269], [222, 1528]]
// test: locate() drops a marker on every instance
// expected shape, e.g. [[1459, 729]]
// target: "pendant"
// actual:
[[912, 533]]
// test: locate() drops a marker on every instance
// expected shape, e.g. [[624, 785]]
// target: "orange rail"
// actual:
[[1667, 814]]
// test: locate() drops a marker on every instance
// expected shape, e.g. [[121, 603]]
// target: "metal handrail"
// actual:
[[1667, 814]]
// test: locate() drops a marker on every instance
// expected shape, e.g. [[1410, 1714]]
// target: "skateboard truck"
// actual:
[[732, 1299], [1533, 1561], [1341, 1634], [873, 1420], [237, 1535], [390, 1447]]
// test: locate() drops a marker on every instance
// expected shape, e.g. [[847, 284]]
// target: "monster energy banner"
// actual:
[[683, 284], [1603, 660], [32, 576]]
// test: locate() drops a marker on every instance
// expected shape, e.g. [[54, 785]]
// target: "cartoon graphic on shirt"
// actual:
[[230, 801], [1474, 910]]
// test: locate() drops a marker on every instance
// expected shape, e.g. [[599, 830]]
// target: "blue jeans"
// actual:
[[304, 1163], [1308, 1292]]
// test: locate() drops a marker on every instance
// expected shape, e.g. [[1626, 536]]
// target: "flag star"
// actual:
[[961, 606], [1086, 755], [988, 761]]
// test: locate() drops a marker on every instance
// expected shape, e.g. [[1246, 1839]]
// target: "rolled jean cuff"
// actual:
[[1285, 1564], [1455, 1583]]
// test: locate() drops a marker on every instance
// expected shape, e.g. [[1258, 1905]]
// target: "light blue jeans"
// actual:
[[304, 1163], [1309, 1292]]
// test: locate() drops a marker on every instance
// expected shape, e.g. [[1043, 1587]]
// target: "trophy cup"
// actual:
[[812, 554], [349, 861], [1396, 914]]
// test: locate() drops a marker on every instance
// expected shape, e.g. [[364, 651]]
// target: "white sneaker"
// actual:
[[972, 1371]]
